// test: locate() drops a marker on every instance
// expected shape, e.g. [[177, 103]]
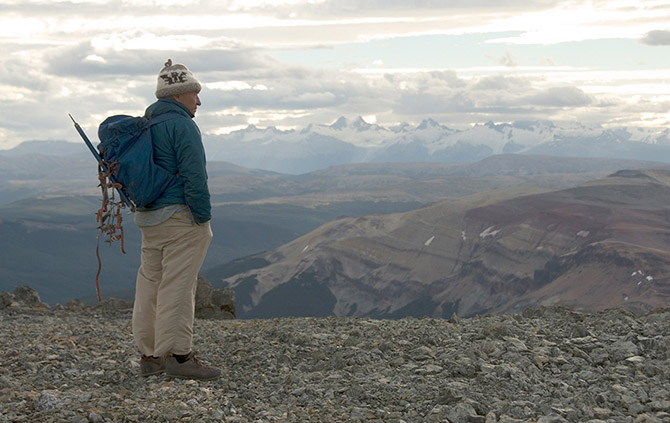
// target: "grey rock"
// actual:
[[551, 419], [74, 305], [462, 412], [622, 349], [645, 418], [47, 400], [451, 393], [28, 297], [95, 418], [6, 300], [210, 303], [112, 305], [662, 404], [422, 353], [601, 413]]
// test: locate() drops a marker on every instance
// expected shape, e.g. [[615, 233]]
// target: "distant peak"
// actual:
[[340, 123], [428, 123], [499, 127], [307, 129], [361, 124], [402, 127]]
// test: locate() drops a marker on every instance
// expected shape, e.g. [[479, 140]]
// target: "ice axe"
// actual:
[[99, 159]]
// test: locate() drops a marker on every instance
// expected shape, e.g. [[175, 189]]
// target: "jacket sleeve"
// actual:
[[191, 165]]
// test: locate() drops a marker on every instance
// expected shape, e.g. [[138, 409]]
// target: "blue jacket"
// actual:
[[178, 148]]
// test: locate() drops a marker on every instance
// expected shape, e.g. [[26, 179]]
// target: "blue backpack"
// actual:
[[126, 146]]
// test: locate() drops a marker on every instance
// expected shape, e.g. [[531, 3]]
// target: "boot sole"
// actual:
[[152, 374], [193, 377]]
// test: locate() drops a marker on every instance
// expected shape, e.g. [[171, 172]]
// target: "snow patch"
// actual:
[[463, 236], [490, 231], [427, 243]]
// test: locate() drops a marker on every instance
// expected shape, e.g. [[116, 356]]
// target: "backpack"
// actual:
[[126, 147], [125, 164]]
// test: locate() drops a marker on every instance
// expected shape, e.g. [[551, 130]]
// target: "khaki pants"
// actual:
[[172, 253]]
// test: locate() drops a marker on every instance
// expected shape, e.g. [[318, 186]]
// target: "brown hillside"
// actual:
[[602, 244]]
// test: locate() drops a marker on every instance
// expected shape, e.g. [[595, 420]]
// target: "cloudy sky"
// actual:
[[288, 63]]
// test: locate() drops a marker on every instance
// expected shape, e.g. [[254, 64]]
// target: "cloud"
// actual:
[[417, 104], [506, 59], [657, 38], [340, 8], [477, 99], [560, 97], [288, 88], [502, 83], [264, 61], [75, 61]]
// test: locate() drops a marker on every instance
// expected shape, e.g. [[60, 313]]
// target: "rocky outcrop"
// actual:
[[210, 303], [217, 304], [24, 297]]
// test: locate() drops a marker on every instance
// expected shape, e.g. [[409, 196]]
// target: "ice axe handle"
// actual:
[[98, 158]]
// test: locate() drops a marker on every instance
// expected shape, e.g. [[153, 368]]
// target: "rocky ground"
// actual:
[[548, 365]]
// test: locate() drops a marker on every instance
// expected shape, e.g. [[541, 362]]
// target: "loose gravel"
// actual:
[[546, 365]]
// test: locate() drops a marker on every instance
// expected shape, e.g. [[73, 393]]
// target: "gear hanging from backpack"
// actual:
[[110, 221]]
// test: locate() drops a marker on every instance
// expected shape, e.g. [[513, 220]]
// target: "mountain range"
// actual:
[[320, 146], [49, 233], [601, 244], [357, 219]]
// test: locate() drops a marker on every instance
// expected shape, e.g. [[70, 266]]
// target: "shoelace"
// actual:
[[198, 362]]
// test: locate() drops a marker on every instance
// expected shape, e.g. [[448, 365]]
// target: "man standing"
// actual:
[[175, 235]]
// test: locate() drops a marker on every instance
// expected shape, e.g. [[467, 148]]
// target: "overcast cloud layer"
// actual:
[[294, 62]]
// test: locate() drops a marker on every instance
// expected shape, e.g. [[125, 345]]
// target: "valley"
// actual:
[[259, 215]]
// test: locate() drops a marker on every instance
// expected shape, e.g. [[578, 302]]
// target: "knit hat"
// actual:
[[175, 80]]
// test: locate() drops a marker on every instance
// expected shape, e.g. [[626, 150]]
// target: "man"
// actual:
[[175, 235]]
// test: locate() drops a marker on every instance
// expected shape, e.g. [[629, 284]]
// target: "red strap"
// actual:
[[97, 275]]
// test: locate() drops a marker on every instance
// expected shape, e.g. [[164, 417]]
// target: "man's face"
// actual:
[[190, 100]]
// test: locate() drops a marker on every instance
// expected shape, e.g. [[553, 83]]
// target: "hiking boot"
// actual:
[[190, 369], [151, 366]]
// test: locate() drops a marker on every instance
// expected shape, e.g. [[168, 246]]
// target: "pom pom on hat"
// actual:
[[175, 80]]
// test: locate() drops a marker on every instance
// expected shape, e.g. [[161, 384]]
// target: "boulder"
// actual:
[[28, 297], [6, 300], [210, 303], [74, 305]]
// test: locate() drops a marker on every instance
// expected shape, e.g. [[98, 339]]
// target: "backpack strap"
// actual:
[[163, 117]]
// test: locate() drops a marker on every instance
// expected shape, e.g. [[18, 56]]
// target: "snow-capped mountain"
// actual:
[[318, 146], [357, 132]]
